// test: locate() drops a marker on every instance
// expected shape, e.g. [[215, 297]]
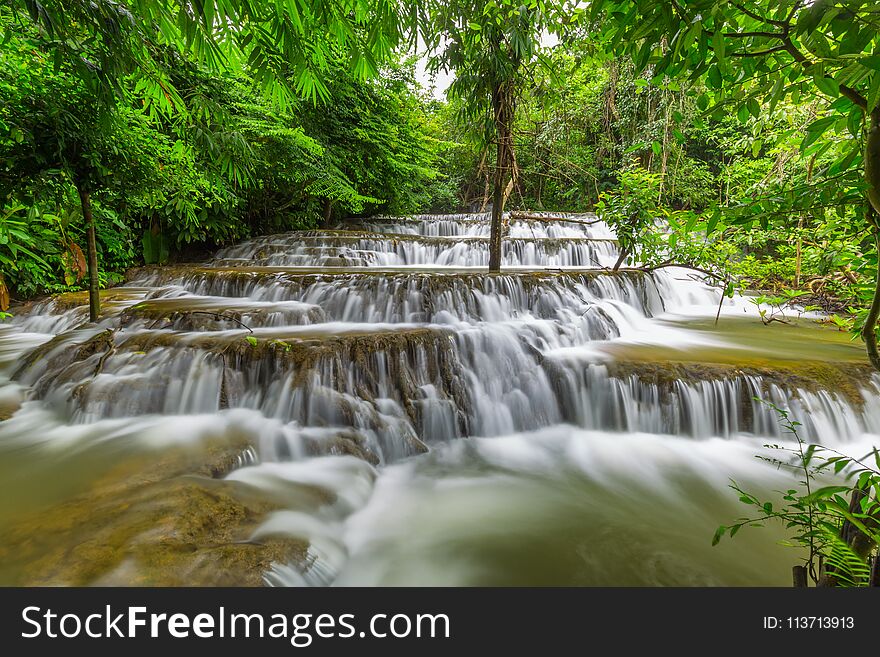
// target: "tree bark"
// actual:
[[92, 255], [497, 212], [502, 105], [328, 212], [869, 330], [872, 178], [872, 160], [799, 577]]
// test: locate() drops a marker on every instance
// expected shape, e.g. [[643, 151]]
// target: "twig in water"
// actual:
[[215, 315]]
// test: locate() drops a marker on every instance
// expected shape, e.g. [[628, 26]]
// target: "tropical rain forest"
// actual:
[[447, 292]]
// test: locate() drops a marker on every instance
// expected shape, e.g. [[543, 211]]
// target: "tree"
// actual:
[[53, 126], [285, 46], [491, 46], [755, 53]]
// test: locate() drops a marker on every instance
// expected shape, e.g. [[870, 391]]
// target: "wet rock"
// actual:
[[158, 520], [844, 380]]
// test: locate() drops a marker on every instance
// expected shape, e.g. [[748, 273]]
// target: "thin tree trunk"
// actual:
[[869, 330], [486, 196], [502, 102], [872, 178], [482, 169], [872, 160], [497, 212], [92, 255], [328, 212]]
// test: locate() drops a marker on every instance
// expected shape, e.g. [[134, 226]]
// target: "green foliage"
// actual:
[[631, 210], [488, 45], [780, 100], [834, 514], [25, 241], [230, 163], [104, 41]]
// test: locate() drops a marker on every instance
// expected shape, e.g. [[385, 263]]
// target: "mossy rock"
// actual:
[[157, 520], [844, 380]]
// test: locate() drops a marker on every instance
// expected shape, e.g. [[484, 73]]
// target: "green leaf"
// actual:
[[719, 45], [713, 221], [856, 39], [754, 108], [757, 145], [816, 129], [874, 93], [854, 121], [828, 86], [714, 77]]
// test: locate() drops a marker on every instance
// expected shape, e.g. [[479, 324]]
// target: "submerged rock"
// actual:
[[157, 520]]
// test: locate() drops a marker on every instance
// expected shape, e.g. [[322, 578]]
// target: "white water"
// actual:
[[470, 428]]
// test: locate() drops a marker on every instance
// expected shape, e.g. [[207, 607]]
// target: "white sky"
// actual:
[[441, 82]]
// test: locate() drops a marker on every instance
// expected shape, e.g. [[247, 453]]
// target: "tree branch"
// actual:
[[743, 35], [803, 60], [759, 53], [680, 11], [670, 263], [758, 17], [854, 96]]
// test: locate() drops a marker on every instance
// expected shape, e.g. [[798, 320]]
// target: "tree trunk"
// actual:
[[872, 178], [502, 104], [872, 160], [328, 212], [497, 212], [486, 196], [869, 330], [92, 255]]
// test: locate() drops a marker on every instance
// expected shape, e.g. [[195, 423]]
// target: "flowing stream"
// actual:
[[410, 419]]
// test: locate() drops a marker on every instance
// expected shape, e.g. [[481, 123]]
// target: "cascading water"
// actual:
[[413, 419]]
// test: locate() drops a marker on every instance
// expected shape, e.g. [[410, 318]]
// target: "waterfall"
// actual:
[[379, 360]]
